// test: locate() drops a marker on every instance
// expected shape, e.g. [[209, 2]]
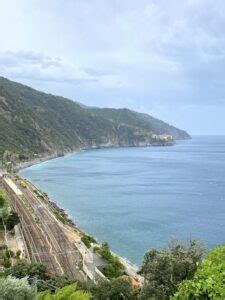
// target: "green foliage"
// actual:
[[4, 207], [208, 281], [68, 292], [116, 289], [23, 268], [96, 248], [8, 253], [87, 240], [164, 270], [3, 246], [15, 289], [6, 263], [18, 253], [2, 198], [12, 220], [34, 123], [105, 252], [53, 283], [9, 219], [59, 217], [114, 269]]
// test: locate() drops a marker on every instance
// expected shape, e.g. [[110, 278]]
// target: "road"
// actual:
[[44, 235]]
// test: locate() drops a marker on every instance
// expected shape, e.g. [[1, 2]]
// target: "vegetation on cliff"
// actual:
[[177, 272], [208, 281], [34, 123]]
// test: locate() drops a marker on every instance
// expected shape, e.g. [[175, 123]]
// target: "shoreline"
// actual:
[[26, 164], [44, 158], [69, 221], [71, 226]]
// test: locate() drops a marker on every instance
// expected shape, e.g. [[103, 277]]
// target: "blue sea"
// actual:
[[137, 198]]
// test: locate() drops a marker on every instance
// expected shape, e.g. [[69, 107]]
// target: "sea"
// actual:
[[139, 198]]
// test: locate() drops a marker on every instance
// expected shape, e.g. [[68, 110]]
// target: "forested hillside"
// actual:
[[34, 123]]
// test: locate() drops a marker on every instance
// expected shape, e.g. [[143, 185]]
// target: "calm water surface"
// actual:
[[136, 198]]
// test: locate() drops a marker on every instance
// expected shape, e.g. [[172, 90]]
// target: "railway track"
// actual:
[[44, 234]]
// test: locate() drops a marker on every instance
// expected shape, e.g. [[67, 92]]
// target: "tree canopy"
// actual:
[[2, 198], [116, 289], [15, 289], [164, 270], [68, 292], [208, 281], [12, 220], [23, 268]]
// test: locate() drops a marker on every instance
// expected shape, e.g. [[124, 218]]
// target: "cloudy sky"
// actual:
[[163, 57]]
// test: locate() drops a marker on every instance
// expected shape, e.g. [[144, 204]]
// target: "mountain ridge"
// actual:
[[35, 123]]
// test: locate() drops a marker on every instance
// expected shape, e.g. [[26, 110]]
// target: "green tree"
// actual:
[[87, 240], [164, 270], [8, 253], [12, 220], [105, 252], [116, 289], [6, 263], [114, 268], [4, 205], [18, 253], [208, 281], [68, 292], [23, 268], [53, 283], [2, 198], [15, 289]]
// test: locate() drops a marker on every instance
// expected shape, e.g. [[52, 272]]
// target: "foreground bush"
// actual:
[[15, 289], [116, 289], [68, 292], [23, 268], [164, 270], [54, 282], [208, 281]]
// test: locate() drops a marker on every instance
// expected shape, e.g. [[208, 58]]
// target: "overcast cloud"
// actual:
[[163, 57]]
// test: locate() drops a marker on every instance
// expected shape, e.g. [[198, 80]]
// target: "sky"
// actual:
[[162, 57]]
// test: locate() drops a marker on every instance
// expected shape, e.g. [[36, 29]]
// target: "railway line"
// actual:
[[43, 233]]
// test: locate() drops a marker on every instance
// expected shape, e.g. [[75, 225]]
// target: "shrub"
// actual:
[[6, 263], [9, 253], [18, 253], [208, 281], [116, 289], [67, 292], [115, 268], [164, 270], [23, 268], [2, 198], [87, 240], [14, 289], [12, 220], [105, 252], [96, 248]]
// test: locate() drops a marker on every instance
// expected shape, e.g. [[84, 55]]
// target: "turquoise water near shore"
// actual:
[[136, 198]]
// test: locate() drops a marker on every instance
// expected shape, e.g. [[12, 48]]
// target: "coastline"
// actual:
[[71, 226], [130, 265], [45, 157], [26, 164], [69, 220]]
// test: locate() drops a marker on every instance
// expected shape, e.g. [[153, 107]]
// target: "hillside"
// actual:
[[34, 123]]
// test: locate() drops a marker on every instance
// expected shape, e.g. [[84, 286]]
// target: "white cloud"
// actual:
[[149, 54]]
